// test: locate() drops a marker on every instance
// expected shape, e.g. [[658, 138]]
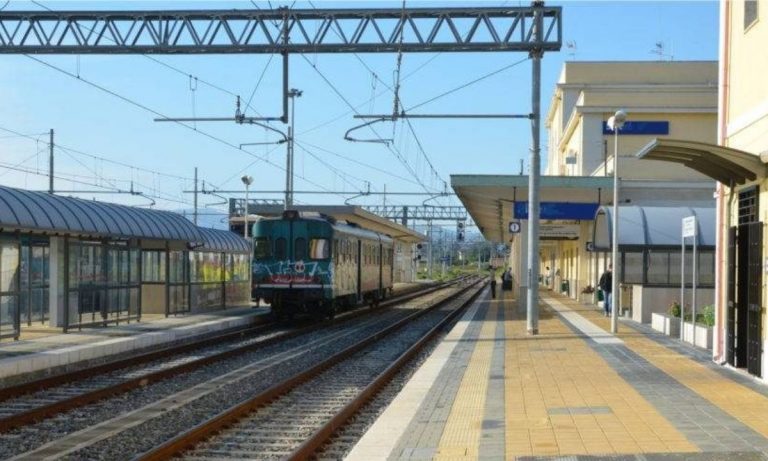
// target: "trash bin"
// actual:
[[565, 287]]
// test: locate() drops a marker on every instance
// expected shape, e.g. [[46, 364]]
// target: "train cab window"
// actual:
[[261, 248], [319, 249], [300, 249], [280, 249]]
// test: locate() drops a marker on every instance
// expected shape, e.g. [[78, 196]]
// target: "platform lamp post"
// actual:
[[615, 123], [247, 180]]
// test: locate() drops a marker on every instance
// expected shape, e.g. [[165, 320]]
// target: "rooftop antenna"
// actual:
[[659, 50], [572, 49]]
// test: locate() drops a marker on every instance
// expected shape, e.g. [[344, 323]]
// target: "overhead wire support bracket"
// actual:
[[361, 194], [381, 117], [373, 140]]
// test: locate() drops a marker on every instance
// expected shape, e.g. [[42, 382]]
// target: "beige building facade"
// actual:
[[738, 162], [674, 100], [742, 328]]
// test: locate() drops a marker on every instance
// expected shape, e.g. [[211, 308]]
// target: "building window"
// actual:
[[748, 206], [750, 13]]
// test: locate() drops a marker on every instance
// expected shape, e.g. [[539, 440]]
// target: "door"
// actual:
[[730, 330], [754, 299], [359, 263], [742, 293]]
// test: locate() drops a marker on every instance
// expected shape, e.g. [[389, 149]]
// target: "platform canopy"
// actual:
[[222, 241], [490, 199], [723, 164], [349, 213], [40, 212], [647, 226]]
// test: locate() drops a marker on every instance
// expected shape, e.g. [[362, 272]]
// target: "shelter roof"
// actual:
[[723, 164], [489, 198], [647, 226], [223, 240], [22, 210], [349, 213]]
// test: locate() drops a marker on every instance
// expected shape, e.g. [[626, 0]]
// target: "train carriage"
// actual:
[[309, 263]]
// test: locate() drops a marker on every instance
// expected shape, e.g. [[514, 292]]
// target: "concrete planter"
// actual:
[[586, 298], [666, 324], [703, 335]]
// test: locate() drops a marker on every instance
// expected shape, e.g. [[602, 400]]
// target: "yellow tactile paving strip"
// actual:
[[741, 402], [461, 436], [558, 369]]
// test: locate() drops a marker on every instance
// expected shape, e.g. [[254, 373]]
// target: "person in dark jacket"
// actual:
[[493, 285], [606, 285]]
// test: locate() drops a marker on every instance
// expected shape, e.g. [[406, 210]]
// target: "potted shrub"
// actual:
[[586, 294], [705, 320], [668, 323]]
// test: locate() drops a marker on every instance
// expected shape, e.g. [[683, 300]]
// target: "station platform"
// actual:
[[45, 351], [490, 391], [48, 350]]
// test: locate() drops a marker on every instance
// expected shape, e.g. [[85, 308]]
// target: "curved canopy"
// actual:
[[223, 240], [41, 212], [723, 164], [652, 226]]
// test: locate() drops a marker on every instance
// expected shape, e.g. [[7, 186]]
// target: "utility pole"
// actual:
[[293, 94], [532, 303], [194, 216], [50, 166], [429, 258]]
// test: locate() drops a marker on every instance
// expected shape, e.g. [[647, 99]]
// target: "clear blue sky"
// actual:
[[36, 98]]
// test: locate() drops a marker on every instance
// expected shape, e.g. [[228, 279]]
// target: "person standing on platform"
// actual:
[[605, 284], [506, 280], [493, 285]]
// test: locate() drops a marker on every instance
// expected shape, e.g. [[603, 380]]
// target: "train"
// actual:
[[309, 263]]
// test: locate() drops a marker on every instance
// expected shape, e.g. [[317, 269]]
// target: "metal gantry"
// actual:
[[282, 30], [535, 30], [404, 213]]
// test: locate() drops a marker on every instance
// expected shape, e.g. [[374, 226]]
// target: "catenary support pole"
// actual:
[[533, 182], [50, 165], [194, 216]]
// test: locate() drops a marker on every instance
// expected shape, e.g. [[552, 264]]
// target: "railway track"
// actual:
[[234, 361], [294, 418]]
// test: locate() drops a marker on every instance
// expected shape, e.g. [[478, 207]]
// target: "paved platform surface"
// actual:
[[574, 392], [50, 350]]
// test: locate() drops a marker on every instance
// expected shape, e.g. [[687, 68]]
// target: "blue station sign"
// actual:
[[640, 127], [558, 210]]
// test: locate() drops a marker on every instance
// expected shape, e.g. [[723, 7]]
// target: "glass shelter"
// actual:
[[73, 263]]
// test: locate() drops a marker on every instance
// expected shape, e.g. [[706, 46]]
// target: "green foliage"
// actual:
[[674, 309], [707, 316]]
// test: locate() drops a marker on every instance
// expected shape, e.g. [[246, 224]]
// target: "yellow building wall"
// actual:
[[747, 63], [745, 113]]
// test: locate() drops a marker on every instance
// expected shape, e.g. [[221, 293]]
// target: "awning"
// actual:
[[22, 210], [349, 213], [223, 240], [723, 164]]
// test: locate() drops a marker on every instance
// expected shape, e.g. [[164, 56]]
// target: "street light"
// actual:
[[615, 123], [247, 180]]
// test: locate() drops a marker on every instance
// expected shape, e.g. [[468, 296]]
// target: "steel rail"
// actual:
[[205, 430], [323, 434], [46, 411]]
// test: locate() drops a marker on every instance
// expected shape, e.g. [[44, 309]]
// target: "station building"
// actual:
[[663, 100], [72, 263], [737, 160], [405, 239]]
